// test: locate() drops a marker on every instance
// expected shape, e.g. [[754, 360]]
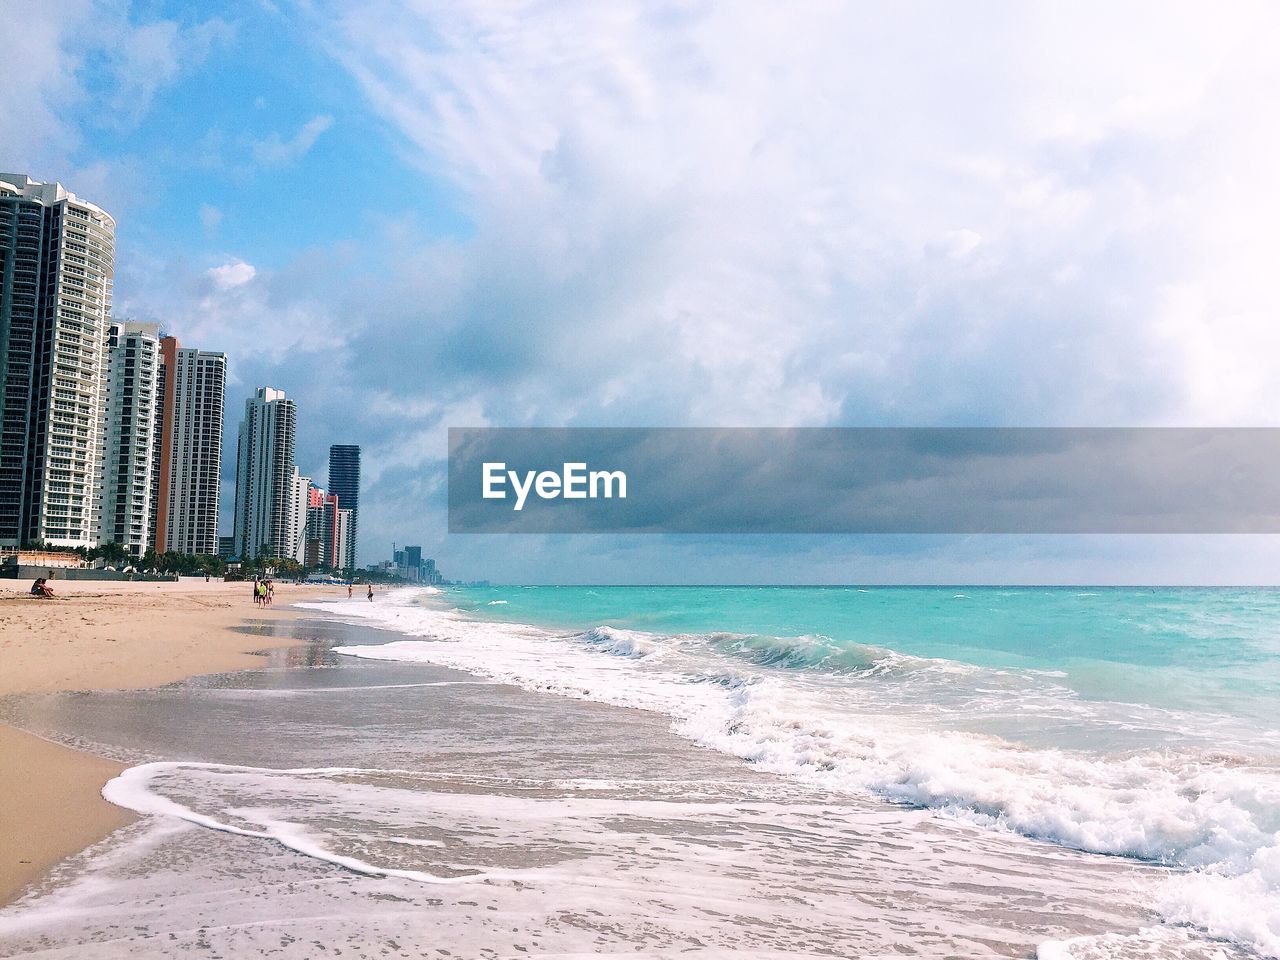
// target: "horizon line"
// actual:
[[1064, 586]]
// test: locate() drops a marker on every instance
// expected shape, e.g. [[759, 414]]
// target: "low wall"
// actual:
[[81, 573]]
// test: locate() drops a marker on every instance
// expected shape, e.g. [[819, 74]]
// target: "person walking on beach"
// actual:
[[371, 593], [348, 591], [257, 591]]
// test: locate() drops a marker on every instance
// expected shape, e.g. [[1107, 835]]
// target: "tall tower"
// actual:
[[266, 476], [57, 258], [327, 525], [190, 463], [344, 480], [298, 517], [128, 457], [342, 542]]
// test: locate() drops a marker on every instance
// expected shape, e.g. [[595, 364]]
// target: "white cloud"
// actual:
[[263, 319], [83, 65], [144, 59], [275, 152], [230, 275], [958, 244], [38, 83], [744, 214]]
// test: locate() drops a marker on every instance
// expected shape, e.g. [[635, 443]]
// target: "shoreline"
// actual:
[[477, 780], [105, 636]]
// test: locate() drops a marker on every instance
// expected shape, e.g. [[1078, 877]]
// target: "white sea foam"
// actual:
[[325, 813], [1219, 822], [1148, 943], [724, 868], [136, 789]]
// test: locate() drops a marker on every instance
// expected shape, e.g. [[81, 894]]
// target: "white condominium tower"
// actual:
[[344, 548], [266, 477], [57, 257], [298, 517], [189, 449], [128, 459]]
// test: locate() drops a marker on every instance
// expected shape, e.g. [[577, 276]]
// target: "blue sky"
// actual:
[[417, 215]]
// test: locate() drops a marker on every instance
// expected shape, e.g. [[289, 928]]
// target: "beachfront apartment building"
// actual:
[[128, 464], [266, 523], [322, 528], [104, 436], [328, 541], [344, 481], [298, 516], [343, 539], [189, 449], [57, 260]]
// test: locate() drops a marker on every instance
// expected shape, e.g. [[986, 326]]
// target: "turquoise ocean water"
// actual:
[[1133, 722], [1115, 749], [1211, 650]]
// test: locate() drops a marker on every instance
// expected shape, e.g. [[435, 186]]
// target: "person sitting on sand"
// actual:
[[42, 589]]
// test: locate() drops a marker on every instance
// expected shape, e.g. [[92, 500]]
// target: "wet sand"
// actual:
[[99, 636]]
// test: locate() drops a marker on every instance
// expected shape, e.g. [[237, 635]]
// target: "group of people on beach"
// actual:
[[263, 591]]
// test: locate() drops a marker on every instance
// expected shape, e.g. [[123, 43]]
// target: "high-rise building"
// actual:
[[159, 464], [344, 480], [313, 551], [343, 546], [413, 563], [190, 449], [266, 477], [409, 563], [325, 547], [298, 516], [57, 258], [128, 455]]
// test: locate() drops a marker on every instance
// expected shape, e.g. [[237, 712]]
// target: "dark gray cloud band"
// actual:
[[874, 480]]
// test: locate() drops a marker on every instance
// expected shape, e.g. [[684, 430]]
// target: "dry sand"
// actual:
[[96, 636]]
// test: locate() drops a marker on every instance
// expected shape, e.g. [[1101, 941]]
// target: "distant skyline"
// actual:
[[411, 217]]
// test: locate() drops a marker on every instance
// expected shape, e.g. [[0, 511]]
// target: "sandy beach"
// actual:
[[98, 636]]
